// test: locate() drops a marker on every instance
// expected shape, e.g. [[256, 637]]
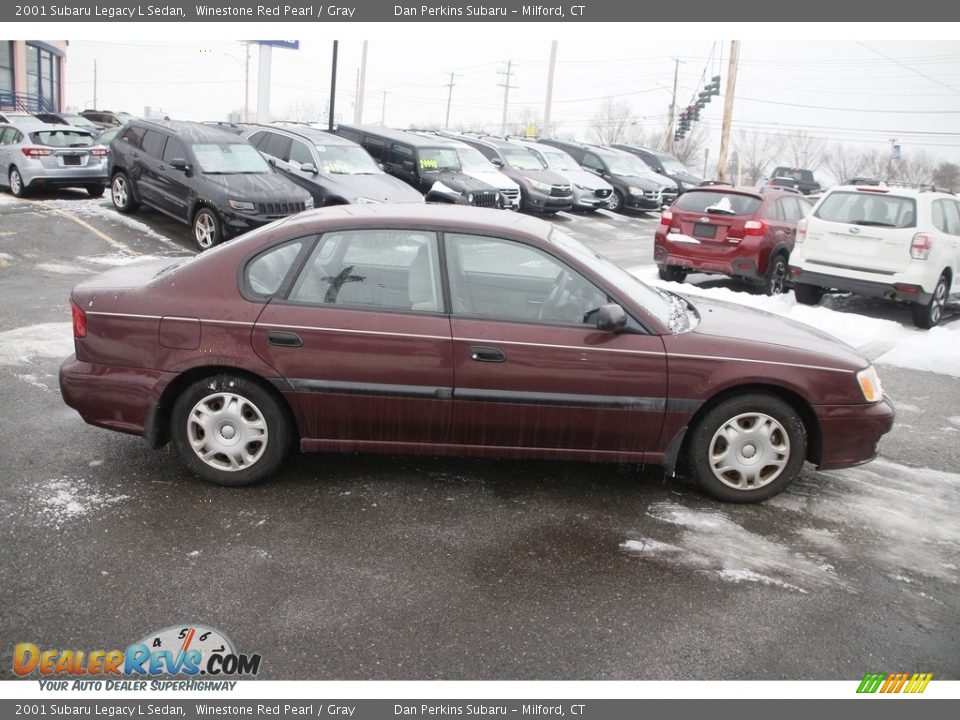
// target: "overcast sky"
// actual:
[[859, 91]]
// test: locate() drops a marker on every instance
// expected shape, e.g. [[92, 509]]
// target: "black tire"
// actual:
[[671, 273], [206, 227], [929, 315], [226, 398], [122, 193], [766, 440], [615, 203], [17, 186], [95, 191], [807, 294], [775, 281]]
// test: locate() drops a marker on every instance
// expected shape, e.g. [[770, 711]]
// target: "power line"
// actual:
[[911, 69]]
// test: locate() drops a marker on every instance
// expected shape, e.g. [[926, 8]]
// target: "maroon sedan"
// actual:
[[742, 232], [456, 331]]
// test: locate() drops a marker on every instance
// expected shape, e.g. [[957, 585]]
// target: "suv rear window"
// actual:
[[794, 174], [867, 208], [62, 138], [720, 203]]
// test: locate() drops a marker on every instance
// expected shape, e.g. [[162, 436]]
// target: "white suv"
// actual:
[[881, 241]]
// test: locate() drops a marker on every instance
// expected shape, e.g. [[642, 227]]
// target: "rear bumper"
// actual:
[[116, 398], [850, 433], [64, 177], [902, 288], [741, 266]]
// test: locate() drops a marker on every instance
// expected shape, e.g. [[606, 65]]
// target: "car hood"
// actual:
[[495, 178], [461, 182], [550, 177], [375, 186], [258, 187], [646, 182], [743, 331]]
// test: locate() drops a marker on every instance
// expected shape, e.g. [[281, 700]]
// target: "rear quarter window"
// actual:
[[699, 201], [866, 208]]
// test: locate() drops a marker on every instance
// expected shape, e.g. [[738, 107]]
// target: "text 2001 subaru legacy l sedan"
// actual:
[[439, 330]]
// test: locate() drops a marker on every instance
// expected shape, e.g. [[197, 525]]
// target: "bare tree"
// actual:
[[917, 167], [304, 110], [611, 123], [875, 163], [947, 175], [757, 151], [804, 150], [843, 162], [690, 149], [520, 121]]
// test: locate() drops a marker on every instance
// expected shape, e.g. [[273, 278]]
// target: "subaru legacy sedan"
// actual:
[[456, 331]]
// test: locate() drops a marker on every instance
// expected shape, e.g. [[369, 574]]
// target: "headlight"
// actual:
[[635, 190], [308, 203], [368, 201], [537, 185], [870, 384], [242, 205], [470, 198]]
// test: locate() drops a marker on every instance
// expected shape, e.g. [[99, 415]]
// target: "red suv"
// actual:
[[741, 232]]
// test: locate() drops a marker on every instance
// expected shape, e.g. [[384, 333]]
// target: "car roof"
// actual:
[[404, 136], [307, 132], [41, 126], [191, 131], [740, 190], [924, 190]]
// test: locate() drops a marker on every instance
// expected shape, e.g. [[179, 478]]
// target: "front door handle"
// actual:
[[284, 339], [481, 353]]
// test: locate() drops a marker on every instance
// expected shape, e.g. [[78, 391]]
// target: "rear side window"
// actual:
[[866, 208], [133, 136], [7, 137], [951, 212], [376, 148], [266, 272], [62, 138], [719, 203]]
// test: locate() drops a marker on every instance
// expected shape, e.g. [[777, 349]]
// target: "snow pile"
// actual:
[[47, 340], [62, 499]]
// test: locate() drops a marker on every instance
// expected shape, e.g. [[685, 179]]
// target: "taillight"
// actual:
[[98, 151], [79, 320], [36, 151], [666, 217], [801, 231], [754, 227], [921, 246]]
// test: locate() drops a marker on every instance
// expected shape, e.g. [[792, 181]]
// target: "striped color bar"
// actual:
[[894, 682]]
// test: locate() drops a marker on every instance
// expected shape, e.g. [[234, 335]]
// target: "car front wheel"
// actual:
[[206, 228], [928, 315], [230, 430], [616, 201], [121, 192], [807, 294], [747, 448]]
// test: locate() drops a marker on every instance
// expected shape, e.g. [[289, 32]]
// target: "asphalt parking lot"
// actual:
[[366, 567]]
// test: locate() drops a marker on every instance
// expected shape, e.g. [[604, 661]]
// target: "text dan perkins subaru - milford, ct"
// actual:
[[484, 11]]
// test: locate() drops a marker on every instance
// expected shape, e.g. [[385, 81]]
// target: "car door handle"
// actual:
[[481, 353], [284, 339]]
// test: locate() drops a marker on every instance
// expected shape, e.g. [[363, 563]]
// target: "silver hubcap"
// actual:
[[204, 229], [119, 191], [614, 202], [749, 451], [15, 182], [777, 274], [227, 431]]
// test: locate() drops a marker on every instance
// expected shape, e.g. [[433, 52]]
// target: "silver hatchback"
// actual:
[[49, 156]]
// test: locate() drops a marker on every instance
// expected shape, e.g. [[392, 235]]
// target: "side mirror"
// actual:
[[611, 318], [180, 164], [497, 161], [309, 168]]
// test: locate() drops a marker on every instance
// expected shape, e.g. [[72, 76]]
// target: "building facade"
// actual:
[[32, 75]]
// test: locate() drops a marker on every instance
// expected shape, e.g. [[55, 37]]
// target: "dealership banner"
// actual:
[[575, 11]]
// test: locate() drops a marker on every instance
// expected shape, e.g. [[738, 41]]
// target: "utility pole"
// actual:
[[333, 85], [547, 104], [361, 87], [246, 85], [95, 85], [728, 109], [673, 107], [893, 148], [383, 110], [449, 86], [506, 94]]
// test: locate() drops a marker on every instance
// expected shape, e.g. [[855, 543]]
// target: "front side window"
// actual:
[[497, 278], [385, 269], [174, 150], [300, 153], [153, 143], [277, 146], [229, 159]]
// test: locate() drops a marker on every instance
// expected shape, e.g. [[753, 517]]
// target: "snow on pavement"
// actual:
[[62, 500], [45, 341]]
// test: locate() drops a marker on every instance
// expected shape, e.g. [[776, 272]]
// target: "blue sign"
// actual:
[[895, 152]]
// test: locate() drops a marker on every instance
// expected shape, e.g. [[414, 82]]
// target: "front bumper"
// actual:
[[900, 287], [586, 199], [537, 201], [850, 433]]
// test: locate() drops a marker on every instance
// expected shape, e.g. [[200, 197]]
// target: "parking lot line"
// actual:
[[100, 234]]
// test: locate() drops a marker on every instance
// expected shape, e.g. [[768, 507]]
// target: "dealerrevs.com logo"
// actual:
[[911, 683], [177, 651]]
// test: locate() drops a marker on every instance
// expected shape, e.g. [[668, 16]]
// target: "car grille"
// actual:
[[559, 191], [510, 194], [601, 193], [280, 209], [485, 199]]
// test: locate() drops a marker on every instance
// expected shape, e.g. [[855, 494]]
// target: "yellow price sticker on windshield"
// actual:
[[428, 164]]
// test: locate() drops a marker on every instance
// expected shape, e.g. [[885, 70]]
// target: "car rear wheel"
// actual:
[[95, 191], [121, 192], [807, 294], [230, 430], [671, 273], [206, 228], [16, 183], [747, 448], [775, 281], [616, 201], [928, 315]]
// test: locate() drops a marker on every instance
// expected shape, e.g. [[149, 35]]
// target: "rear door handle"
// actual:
[[284, 339], [482, 353]]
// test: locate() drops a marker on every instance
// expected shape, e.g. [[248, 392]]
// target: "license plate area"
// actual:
[[704, 230], [71, 160]]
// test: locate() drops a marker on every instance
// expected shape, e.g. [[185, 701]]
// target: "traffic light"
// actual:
[[713, 87]]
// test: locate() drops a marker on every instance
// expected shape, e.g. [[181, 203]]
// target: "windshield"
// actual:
[[62, 138], [521, 159], [559, 160], [661, 305], [672, 166], [346, 160], [474, 160], [437, 159], [619, 165], [794, 174], [229, 158]]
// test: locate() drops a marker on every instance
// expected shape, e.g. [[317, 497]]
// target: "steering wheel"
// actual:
[[559, 295]]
